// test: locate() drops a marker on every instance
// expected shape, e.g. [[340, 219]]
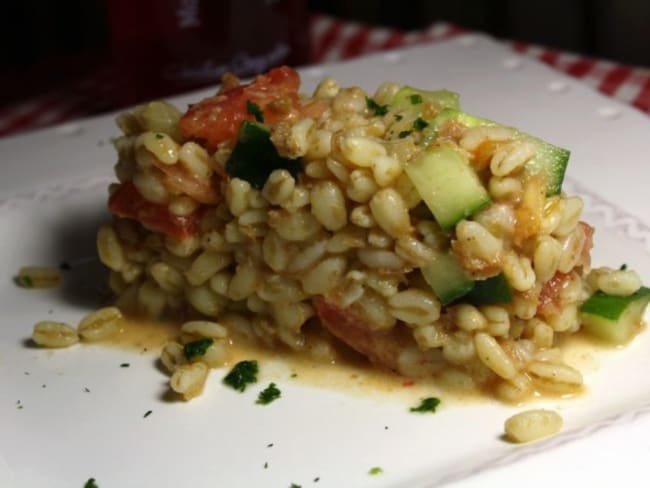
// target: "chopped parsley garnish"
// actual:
[[293, 485], [623, 267], [375, 107], [125, 365], [404, 134], [197, 348], [427, 405], [316, 479], [147, 413], [269, 445], [241, 375], [269, 394], [25, 281], [254, 109], [375, 470], [415, 98], [159, 136], [266, 465], [420, 123], [255, 157], [294, 375], [91, 483], [398, 117]]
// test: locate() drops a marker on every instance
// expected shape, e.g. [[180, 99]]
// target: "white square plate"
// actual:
[[54, 433]]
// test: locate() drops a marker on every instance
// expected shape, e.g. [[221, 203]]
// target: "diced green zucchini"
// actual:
[[254, 156], [613, 318], [492, 291], [447, 278], [408, 98], [448, 185], [549, 160]]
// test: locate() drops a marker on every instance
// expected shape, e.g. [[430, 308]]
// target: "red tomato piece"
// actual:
[[179, 180], [585, 258], [128, 203], [217, 119], [549, 298], [348, 326]]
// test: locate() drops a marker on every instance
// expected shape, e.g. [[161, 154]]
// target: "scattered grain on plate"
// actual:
[[38, 277], [532, 425]]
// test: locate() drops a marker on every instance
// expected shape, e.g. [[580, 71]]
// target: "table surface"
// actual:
[[332, 40]]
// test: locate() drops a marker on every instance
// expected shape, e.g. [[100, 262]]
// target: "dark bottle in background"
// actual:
[[161, 47]]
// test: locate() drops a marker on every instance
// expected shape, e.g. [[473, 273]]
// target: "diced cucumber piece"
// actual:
[[409, 98], [549, 160], [448, 185], [492, 291], [612, 318], [447, 278]]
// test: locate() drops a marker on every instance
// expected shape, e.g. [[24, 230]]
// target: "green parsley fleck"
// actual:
[[125, 365], [91, 483], [623, 267], [375, 470], [254, 109], [415, 98], [294, 375], [159, 136], [243, 373], [375, 107], [426, 405], [254, 157], [269, 394], [404, 134], [420, 123], [25, 281], [147, 413], [266, 465], [197, 348], [293, 485], [398, 117]]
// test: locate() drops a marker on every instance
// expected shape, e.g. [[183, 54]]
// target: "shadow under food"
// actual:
[[85, 278]]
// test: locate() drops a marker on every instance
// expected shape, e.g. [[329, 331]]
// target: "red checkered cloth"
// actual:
[[332, 40], [335, 39]]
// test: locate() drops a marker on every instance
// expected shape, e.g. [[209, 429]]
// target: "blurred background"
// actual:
[[105, 54]]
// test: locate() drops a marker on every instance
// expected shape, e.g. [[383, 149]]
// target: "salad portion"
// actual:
[[433, 242]]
